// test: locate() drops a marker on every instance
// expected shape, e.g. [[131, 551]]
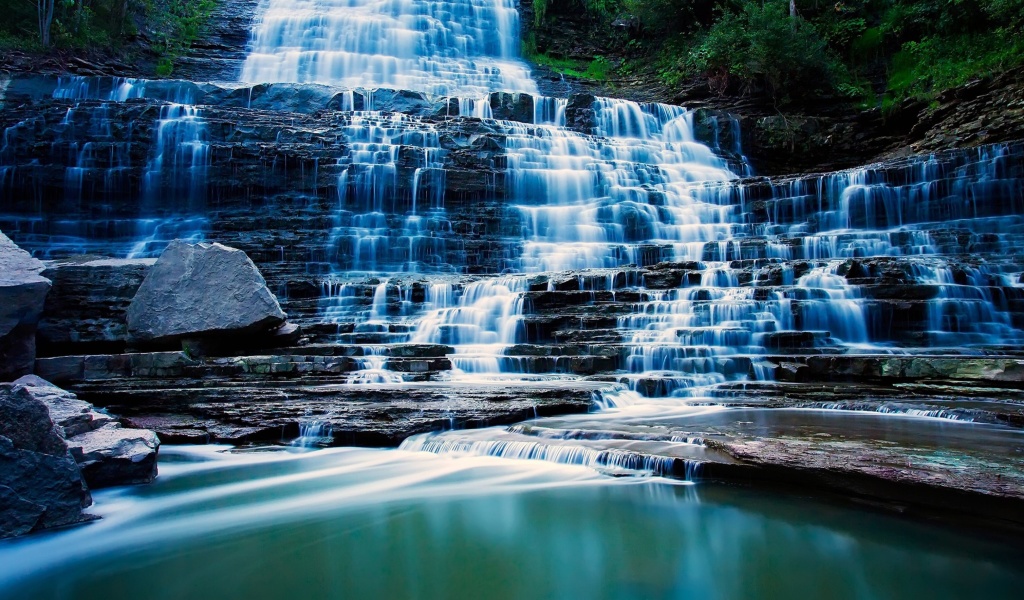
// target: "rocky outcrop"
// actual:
[[85, 309], [197, 291], [115, 455], [271, 408], [41, 485], [107, 453], [22, 293]]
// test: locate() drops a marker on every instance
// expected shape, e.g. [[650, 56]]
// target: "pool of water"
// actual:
[[356, 523]]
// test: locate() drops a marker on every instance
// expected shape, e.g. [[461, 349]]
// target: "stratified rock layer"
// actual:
[[41, 485], [107, 453], [22, 293], [85, 309]]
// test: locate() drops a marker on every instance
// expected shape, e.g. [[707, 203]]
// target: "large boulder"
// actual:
[[22, 294], [107, 453], [197, 291], [41, 485]]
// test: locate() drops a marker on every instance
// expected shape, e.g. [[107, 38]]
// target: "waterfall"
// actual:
[[462, 48], [539, 238]]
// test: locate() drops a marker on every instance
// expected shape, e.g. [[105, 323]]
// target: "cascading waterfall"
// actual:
[[175, 175], [640, 191], [628, 241], [464, 48], [370, 189]]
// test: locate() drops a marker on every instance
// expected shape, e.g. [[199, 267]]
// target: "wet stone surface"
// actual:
[[183, 411]]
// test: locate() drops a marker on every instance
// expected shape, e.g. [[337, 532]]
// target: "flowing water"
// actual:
[[353, 523], [634, 237]]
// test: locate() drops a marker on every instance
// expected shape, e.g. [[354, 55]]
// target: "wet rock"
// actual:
[[199, 291], [41, 485], [579, 113], [512, 107], [107, 453], [866, 368], [85, 310], [114, 455], [246, 410], [68, 369], [22, 294]]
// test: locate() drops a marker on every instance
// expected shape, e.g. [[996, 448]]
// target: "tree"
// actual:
[[44, 9]]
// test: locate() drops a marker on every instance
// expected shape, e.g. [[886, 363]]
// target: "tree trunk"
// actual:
[[44, 9]]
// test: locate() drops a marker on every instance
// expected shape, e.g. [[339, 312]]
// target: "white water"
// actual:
[[445, 48], [639, 189]]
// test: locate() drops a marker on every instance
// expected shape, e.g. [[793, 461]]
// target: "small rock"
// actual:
[[114, 455]]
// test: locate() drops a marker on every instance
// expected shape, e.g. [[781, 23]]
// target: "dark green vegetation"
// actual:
[[162, 28], [869, 51]]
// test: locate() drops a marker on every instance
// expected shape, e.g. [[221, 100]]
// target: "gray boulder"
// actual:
[[198, 291], [41, 485], [115, 455], [22, 294], [107, 453]]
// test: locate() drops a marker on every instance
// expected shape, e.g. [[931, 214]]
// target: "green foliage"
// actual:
[[540, 10], [595, 70], [938, 44], [107, 25], [763, 45], [852, 49], [598, 69], [921, 69], [178, 25]]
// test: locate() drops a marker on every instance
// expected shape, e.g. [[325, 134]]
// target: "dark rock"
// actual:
[[85, 311], [114, 455], [71, 415], [199, 291], [237, 411], [41, 485], [579, 113], [512, 107], [22, 294], [106, 453]]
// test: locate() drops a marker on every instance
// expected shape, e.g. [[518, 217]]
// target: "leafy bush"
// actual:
[[178, 24], [921, 69], [763, 46]]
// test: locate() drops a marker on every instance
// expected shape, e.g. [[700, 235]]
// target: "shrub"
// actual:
[[763, 46]]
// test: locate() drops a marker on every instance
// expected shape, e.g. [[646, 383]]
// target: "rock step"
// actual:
[[394, 350], [69, 369], [188, 411], [981, 371]]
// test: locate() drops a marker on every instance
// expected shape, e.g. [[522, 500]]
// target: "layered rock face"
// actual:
[[40, 483], [643, 254], [107, 453], [22, 293], [86, 309]]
